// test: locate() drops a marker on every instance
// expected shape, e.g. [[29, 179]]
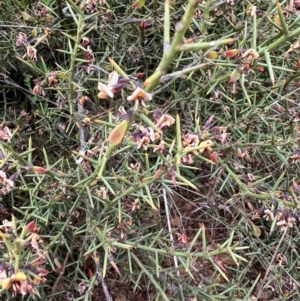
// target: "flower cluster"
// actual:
[[189, 140], [143, 136], [41, 10], [6, 184], [22, 275], [91, 5], [284, 218]]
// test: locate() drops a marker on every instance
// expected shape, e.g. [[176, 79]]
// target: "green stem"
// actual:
[[254, 39], [182, 72], [150, 277], [73, 60], [12, 152], [283, 24], [291, 79], [132, 189], [270, 67], [128, 245], [206, 17], [261, 196], [167, 26], [181, 28], [279, 42], [205, 45]]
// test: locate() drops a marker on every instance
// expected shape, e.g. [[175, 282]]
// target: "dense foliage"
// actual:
[[149, 150]]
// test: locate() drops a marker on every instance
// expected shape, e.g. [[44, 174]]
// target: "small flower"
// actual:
[[41, 273], [135, 166], [41, 10], [140, 95], [35, 242], [107, 91], [23, 288], [91, 6], [122, 112], [143, 136], [88, 69], [31, 52], [190, 140], [21, 39], [223, 137], [161, 148], [143, 143], [5, 133], [52, 78], [152, 135], [295, 158], [187, 159], [82, 288], [251, 52], [6, 183], [85, 42], [165, 121], [89, 55], [3, 269], [269, 215], [6, 226], [38, 90]]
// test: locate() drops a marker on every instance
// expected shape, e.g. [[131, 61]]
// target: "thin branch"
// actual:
[[261, 285], [61, 272], [169, 226], [99, 272]]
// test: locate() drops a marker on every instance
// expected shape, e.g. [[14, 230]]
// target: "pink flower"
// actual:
[[160, 148], [143, 136], [7, 184], [139, 95], [252, 53], [190, 140], [21, 39], [143, 143], [165, 121], [31, 52], [107, 91], [187, 159]]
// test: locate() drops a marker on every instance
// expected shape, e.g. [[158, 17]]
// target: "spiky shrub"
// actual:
[[99, 158]]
